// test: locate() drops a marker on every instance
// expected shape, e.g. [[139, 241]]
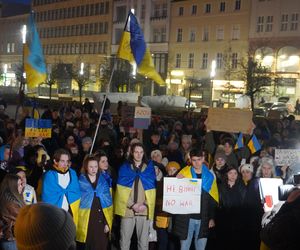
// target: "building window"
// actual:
[[260, 24], [156, 10], [194, 9], [236, 32], [237, 5], [180, 11], [219, 60], [205, 34], [222, 6], [191, 60], [192, 35], [163, 34], [120, 14], [164, 10], [204, 60], [284, 22], [269, 24], [178, 61], [143, 11], [234, 60], [179, 35], [220, 33], [294, 22], [102, 8], [156, 35], [207, 8]]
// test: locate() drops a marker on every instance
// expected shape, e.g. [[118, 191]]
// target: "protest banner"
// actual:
[[182, 196], [38, 128], [142, 117], [269, 192], [287, 157], [230, 120]]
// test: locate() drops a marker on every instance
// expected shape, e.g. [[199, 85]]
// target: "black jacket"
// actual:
[[282, 232], [181, 222]]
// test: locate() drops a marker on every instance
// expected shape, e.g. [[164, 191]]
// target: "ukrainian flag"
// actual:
[[34, 63], [209, 182], [240, 142], [254, 144], [134, 49]]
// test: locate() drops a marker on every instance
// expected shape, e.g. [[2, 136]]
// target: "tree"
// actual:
[[257, 78], [52, 78], [81, 77], [105, 72]]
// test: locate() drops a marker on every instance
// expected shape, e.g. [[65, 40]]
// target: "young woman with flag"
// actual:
[[96, 207]]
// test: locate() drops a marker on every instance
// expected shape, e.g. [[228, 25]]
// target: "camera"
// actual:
[[285, 190]]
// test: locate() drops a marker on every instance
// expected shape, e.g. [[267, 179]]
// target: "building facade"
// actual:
[[275, 42], [75, 34], [11, 48], [207, 39]]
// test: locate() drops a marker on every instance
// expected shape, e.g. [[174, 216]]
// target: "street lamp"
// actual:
[[24, 31], [81, 72], [212, 76], [5, 73]]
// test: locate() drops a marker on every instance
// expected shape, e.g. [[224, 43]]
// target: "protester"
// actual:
[[61, 186], [11, 201], [96, 207], [197, 225], [43, 226], [29, 194], [135, 197]]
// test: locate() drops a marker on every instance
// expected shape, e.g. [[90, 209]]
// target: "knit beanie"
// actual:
[[43, 226], [220, 153], [173, 164]]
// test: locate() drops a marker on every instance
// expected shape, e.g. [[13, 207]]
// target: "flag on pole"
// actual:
[[134, 49], [240, 142], [254, 144], [34, 63]]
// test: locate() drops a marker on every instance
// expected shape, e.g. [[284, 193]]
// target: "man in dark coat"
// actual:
[[188, 225]]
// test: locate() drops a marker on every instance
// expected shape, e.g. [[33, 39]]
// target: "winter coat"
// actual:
[[282, 233], [181, 222]]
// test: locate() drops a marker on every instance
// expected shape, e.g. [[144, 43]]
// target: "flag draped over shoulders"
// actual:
[[102, 192], [133, 48], [124, 187], [209, 183], [34, 62]]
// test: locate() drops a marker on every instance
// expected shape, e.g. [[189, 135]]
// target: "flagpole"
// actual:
[[105, 97], [102, 108]]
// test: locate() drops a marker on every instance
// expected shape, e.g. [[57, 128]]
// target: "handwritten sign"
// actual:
[[230, 120], [38, 128], [142, 117], [287, 157], [269, 192], [182, 196]]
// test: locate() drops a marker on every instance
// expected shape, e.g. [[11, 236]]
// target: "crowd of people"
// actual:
[[112, 198]]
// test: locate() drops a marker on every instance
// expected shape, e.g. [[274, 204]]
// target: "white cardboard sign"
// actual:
[[182, 196], [287, 157], [269, 192]]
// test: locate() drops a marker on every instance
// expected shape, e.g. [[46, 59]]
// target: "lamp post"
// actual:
[[212, 76], [5, 73]]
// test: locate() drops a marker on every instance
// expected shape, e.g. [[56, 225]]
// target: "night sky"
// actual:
[[15, 7]]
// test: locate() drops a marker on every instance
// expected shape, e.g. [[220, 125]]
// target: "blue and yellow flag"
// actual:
[[240, 142], [254, 144], [34, 63], [125, 182], [209, 183], [38, 128], [134, 49]]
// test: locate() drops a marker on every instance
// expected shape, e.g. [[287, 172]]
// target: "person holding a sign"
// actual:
[[135, 197], [60, 184], [188, 225]]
